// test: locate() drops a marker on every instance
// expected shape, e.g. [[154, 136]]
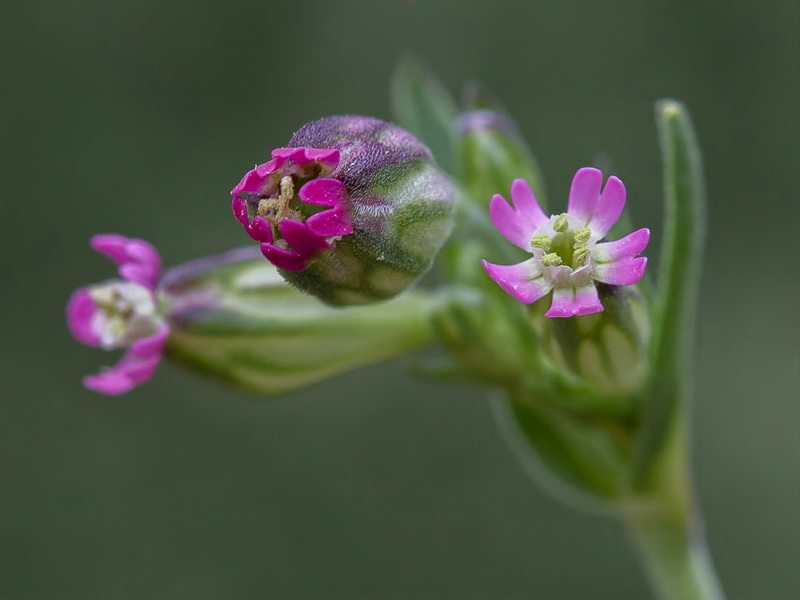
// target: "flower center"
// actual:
[[125, 313], [563, 245], [280, 200]]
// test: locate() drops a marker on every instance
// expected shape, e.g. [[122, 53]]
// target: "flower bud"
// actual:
[[352, 211], [492, 154], [607, 349], [234, 319]]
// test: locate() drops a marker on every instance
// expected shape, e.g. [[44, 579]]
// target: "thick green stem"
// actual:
[[675, 557], [666, 526]]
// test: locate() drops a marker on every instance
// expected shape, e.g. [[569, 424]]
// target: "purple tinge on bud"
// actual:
[[122, 313], [286, 221], [352, 212], [568, 256]]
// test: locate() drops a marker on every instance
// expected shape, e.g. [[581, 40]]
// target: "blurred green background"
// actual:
[[138, 117]]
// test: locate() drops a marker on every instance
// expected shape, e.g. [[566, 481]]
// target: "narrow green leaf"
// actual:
[[679, 275]]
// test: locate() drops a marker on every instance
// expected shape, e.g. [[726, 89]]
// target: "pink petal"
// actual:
[[327, 158], [523, 281], [288, 260], [526, 204], [239, 208], [136, 366], [152, 346], [584, 193], [625, 271], [505, 220], [260, 229], [301, 238], [81, 309], [138, 261], [324, 192], [608, 208], [571, 302], [328, 192], [121, 378], [631, 245], [303, 156], [255, 180], [517, 224]]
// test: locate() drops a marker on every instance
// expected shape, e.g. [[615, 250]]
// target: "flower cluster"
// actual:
[[569, 255], [122, 313]]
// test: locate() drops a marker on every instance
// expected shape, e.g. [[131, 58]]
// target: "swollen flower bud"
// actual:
[[606, 349], [233, 318], [353, 211]]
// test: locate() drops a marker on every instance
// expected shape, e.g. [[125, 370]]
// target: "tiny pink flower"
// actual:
[[568, 255], [122, 314], [293, 234]]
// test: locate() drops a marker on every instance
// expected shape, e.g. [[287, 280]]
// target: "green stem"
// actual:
[[675, 557], [666, 526]]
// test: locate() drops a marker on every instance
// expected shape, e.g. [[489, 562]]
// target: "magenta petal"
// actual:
[[608, 208], [301, 238], [584, 193], [631, 245], [239, 208], [255, 180], [259, 229], [303, 156], [509, 223], [329, 223], [136, 366], [152, 346], [517, 224], [327, 158], [569, 302], [324, 192], [121, 378], [288, 260], [625, 271], [81, 309], [523, 281], [138, 261], [112, 245], [328, 192], [526, 204]]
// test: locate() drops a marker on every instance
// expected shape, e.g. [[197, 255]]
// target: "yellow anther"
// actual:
[[580, 255], [561, 223], [551, 260], [541, 241], [287, 189], [582, 236]]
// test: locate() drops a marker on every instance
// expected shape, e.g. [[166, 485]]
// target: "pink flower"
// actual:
[[122, 314], [265, 198], [568, 256]]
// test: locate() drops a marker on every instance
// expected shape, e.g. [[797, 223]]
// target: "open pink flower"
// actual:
[[122, 314], [278, 203], [568, 256]]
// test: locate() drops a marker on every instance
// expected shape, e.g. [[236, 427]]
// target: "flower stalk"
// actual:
[[592, 388]]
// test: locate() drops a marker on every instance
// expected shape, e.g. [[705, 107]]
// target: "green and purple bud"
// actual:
[[353, 211]]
